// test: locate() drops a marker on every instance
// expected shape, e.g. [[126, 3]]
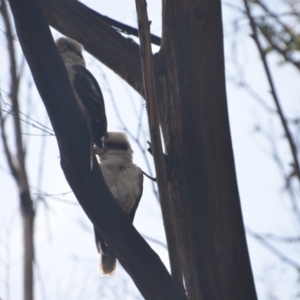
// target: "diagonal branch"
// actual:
[[280, 239], [274, 250], [5, 145], [81, 23], [50, 76], [274, 93], [283, 52]]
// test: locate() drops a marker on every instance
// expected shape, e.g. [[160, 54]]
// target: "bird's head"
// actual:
[[115, 146], [70, 51]]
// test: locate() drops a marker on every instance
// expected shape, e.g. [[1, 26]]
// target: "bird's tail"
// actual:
[[108, 263], [108, 259]]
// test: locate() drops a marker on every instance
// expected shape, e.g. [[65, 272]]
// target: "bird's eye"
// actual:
[[75, 50], [116, 146]]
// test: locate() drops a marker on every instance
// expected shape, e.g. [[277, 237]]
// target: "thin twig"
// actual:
[[274, 250], [273, 92], [283, 52], [27, 117], [152, 178], [232, 6], [276, 157], [274, 16], [52, 195], [294, 203], [32, 124], [281, 239], [241, 82]]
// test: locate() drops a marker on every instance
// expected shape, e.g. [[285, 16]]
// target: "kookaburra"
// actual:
[[125, 181], [86, 90]]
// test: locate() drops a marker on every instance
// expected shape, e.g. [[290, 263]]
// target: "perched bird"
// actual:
[[125, 181], [86, 90]]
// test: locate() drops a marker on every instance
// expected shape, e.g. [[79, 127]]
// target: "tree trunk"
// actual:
[[194, 119], [28, 243]]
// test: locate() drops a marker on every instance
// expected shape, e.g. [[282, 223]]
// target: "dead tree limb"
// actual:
[[156, 144]]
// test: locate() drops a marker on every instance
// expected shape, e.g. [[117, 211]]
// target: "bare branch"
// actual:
[[29, 118], [7, 152], [281, 239], [52, 197], [14, 81], [274, 250], [159, 160], [283, 52], [40, 126], [17, 165], [273, 92]]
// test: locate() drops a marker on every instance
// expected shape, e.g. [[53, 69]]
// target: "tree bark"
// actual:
[[194, 118]]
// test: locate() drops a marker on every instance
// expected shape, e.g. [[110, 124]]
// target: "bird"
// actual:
[[86, 89], [125, 181]]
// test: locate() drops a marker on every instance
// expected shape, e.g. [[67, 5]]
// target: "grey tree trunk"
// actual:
[[15, 157]]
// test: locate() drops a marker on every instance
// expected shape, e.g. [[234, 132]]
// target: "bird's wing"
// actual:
[[134, 208], [90, 94]]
